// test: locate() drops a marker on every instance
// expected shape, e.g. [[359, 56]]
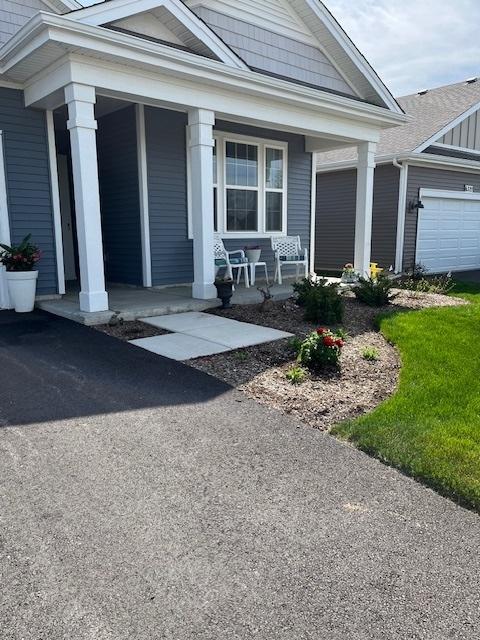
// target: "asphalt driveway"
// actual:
[[141, 499]]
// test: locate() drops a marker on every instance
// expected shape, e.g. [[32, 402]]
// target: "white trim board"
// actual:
[[450, 147], [143, 194], [313, 212], [453, 195], [108, 12], [401, 217], [5, 237], [447, 128], [55, 193]]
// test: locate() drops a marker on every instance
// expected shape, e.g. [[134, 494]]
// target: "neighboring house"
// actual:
[[133, 130], [427, 188]]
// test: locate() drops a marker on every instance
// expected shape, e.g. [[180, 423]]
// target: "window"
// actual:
[[249, 186], [241, 182]]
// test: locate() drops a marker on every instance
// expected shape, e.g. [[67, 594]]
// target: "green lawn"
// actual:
[[431, 427]]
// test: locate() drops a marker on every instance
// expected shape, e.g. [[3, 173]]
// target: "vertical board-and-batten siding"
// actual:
[[119, 196], [13, 15], [172, 251], [429, 178], [465, 135], [335, 217], [28, 181], [275, 53]]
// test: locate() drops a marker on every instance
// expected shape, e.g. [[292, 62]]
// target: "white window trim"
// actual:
[[221, 138]]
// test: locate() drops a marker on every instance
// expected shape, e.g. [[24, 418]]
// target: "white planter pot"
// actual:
[[253, 255], [22, 286]]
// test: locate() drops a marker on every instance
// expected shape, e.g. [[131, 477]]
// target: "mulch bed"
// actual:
[[126, 331], [327, 398]]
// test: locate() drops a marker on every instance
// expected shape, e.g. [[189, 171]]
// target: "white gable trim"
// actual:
[[114, 10], [362, 65], [451, 125]]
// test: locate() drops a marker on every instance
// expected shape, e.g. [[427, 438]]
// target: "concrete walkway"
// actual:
[[143, 500], [196, 334]]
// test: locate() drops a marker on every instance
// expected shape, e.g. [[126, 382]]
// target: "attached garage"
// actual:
[[448, 234]]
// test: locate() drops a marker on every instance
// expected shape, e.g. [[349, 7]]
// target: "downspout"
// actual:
[[402, 209], [5, 237]]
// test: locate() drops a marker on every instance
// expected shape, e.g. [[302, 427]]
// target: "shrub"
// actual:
[[324, 304], [418, 280], [376, 292], [296, 375], [320, 349], [370, 353], [304, 287]]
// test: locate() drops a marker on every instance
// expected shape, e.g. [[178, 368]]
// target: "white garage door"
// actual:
[[448, 237]]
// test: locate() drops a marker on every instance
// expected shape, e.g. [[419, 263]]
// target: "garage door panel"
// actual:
[[448, 236]]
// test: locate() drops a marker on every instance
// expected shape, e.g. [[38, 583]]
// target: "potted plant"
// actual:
[[19, 261], [224, 288], [349, 275], [253, 253]]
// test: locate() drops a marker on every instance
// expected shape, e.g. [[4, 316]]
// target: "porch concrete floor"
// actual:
[[132, 303]]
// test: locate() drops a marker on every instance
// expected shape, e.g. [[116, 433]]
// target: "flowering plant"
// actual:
[[349, 274], [21, 257], [321, 348]]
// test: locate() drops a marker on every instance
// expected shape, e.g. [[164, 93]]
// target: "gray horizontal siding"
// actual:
[[119, 196], [172, 251], [172, 254], [335, 217], [28, 181], [426, 178], [274, 53]]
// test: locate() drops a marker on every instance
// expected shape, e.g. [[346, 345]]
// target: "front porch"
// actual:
[[131, 303]]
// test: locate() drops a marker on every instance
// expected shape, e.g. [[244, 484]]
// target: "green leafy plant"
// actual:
[[376, 292], [304, 287], [419, 281], [323, 303], [20, 257], [320, 349], [295, 344], [296, 375], [241, 356], [371, 354]]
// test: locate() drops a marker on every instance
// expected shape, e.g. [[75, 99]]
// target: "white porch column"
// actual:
[[82, 126], [200, 143], [363, 219]]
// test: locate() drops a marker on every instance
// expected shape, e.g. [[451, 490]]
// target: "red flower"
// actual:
[[328, 341], [321, 331], [339, 343]]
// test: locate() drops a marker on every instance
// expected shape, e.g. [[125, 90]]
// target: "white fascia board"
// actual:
[[447, 128], [357, 58], [415, 159], [130, 50], [107, 12], [450, 147]]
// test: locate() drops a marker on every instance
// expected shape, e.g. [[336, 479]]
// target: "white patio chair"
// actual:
[[288, 251], [223, 259]]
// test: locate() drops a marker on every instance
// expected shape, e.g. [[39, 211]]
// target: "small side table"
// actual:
[[253, 267]]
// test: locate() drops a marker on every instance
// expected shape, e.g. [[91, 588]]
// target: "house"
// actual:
[[427, 188], [131, 131]]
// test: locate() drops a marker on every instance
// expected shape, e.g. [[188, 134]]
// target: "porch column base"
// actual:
[[93, 301], [204, 291]]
